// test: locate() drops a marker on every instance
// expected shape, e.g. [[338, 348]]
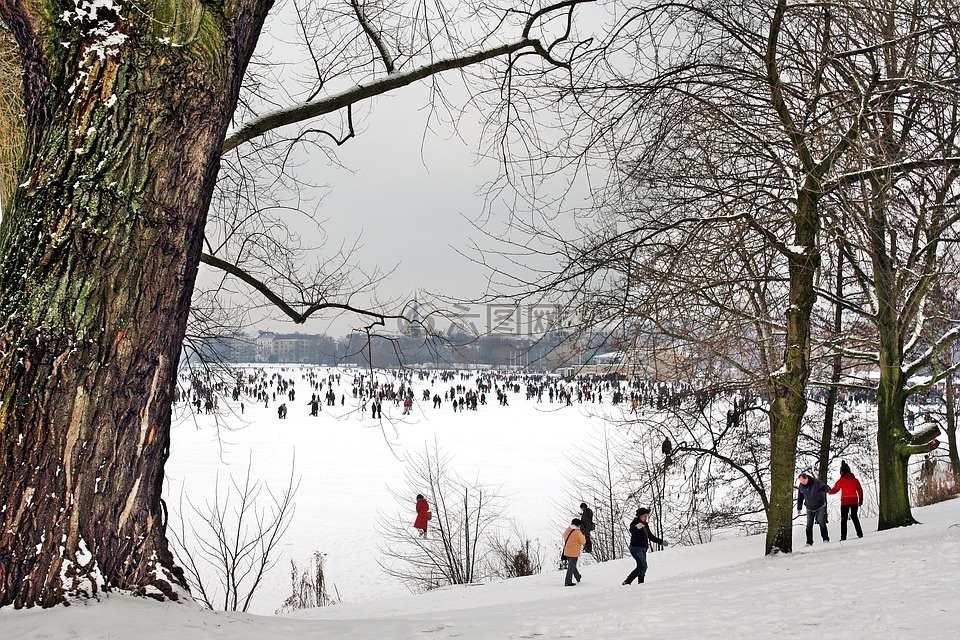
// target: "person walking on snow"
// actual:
[[640, 537], [814, 493], [423, 515], [586, 525], [573, 539], [851, 498]]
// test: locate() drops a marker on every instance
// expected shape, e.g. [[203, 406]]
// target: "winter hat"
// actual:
[[844, 468]]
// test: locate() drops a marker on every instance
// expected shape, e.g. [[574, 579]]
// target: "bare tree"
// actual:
[[466, 518], [228, 544], [894, 244], [748, 116], [897, 203]]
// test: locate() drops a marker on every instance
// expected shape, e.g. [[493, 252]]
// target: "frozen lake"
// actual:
[[348, 463]]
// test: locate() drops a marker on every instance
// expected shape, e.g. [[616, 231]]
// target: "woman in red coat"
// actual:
[[851, 498], [423, 514]]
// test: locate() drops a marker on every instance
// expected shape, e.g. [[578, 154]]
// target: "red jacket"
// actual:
[[851, 493], [421, 521]]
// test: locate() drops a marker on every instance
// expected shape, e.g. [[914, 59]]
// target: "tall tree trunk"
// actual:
[[828, 411], [789, 404], [895, 444], [951, 429], [98, 256], [891, 434]]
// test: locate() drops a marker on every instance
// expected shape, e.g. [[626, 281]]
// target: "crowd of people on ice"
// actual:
[[462, 391], [458, 390]]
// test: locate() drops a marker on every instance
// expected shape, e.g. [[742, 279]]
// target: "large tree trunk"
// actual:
[[895, 444], [891, 435], [789, 404], [951, 429], [891, 399], [99, 250]]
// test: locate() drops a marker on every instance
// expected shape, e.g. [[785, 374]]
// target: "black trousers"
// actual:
[[851, 511]]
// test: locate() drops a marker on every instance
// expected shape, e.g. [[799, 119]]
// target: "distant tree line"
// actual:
[[385, 351]]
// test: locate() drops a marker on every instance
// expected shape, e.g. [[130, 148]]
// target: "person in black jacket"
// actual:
[[640, 537], [814, 493], [586, 519]]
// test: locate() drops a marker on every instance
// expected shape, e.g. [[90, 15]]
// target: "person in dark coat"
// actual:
[[586, 526], [423, 515], [851, 499], [640, 537], [813, 493]]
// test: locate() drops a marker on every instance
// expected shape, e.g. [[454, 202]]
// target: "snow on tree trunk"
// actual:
[[894, 443], [788, 403], [99, 247]]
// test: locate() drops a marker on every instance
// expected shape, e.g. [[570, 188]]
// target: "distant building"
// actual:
[[624, 363], [288, 348]]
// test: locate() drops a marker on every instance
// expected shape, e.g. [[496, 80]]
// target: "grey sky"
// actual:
[[410, 194]]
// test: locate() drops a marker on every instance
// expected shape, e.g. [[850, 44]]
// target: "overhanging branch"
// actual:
[[395, 80], [329, 104], [284, 306]]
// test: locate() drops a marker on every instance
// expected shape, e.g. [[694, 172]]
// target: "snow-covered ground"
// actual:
[[896, 584], [901, 584], [348, 463]]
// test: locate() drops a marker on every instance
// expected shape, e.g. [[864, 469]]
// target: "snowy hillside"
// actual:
[[896, 584], [901, 584]]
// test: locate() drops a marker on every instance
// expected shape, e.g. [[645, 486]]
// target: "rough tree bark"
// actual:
[[126, 113], [788, 403]]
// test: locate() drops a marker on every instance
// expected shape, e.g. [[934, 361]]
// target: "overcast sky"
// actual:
[[410, 194]]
